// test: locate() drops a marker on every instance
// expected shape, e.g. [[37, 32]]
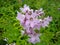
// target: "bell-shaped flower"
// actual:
[[25, 9]]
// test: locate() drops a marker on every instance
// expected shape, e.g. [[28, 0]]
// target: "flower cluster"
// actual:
[[32, 22]]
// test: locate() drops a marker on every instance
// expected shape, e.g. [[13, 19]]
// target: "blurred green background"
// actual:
[[10, 27]]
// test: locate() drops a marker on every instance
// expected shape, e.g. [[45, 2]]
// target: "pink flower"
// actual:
[[20, 17], [46, 21], [39, 12], [30, 21], [34, 39], [26, 8]]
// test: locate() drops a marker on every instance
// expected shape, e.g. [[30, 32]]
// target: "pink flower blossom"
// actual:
[[20, 17], [46, 21], [30, 21], [26, 8], [34, 38]]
